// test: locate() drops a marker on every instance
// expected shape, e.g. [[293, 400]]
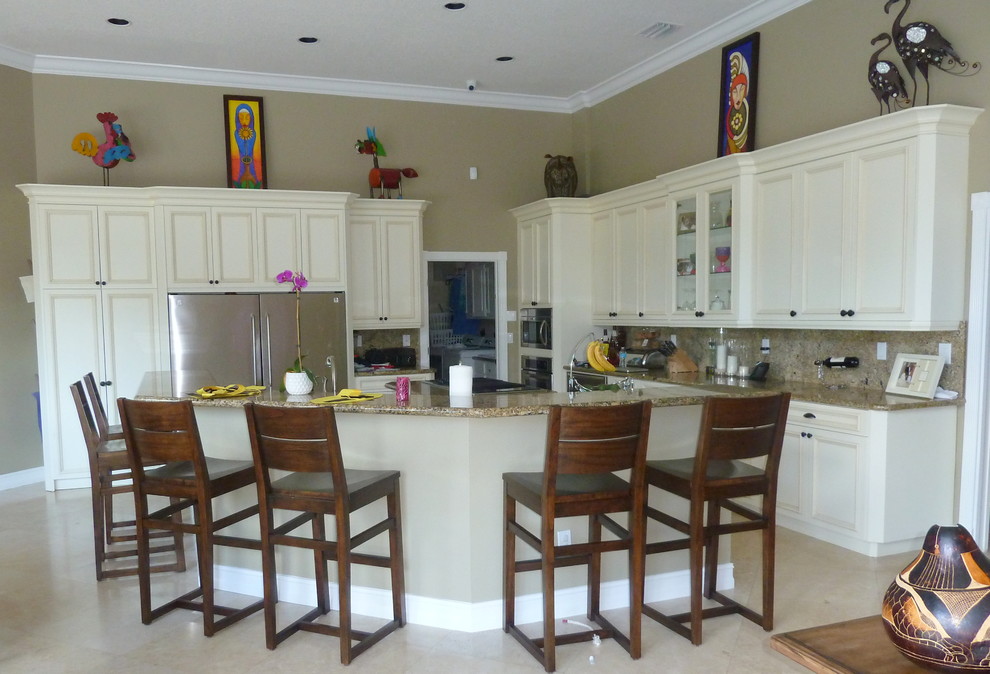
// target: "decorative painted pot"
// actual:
[[298, 383], [937, 610]]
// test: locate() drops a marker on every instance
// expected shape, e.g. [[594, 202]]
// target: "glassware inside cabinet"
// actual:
[[720, 251], [687, 250]]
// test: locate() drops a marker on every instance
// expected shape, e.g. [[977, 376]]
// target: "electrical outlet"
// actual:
[[509, 338], [406, 340], [357, 341], [945, 350], [673, 340], [564, 537], [881, 350]]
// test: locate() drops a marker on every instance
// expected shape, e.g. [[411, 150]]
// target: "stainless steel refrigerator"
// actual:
[[235, 338]]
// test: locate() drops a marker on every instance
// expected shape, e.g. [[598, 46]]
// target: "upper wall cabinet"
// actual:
[[631, 253], [226, 239], [384, 239], [864, 227]]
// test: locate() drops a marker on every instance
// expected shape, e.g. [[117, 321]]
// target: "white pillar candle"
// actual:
[[460, 378], [720, 357]]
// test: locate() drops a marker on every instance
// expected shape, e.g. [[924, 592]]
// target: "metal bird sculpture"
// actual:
[[885, 79], [920, 45], [116, 145]]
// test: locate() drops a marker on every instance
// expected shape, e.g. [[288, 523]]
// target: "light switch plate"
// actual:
[[945, 350], [406, 341], [881, 350], [357, 341]]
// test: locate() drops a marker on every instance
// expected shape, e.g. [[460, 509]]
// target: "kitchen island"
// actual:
[[452, 454]]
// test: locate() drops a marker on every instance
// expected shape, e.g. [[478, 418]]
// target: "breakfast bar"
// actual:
[[451, 455]]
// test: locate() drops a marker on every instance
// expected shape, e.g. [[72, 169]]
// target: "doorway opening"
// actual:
[[465, 306]]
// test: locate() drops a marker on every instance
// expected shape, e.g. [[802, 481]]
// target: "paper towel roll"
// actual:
[[460, 378]]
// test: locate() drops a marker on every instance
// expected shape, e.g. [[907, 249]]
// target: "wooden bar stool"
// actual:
[[584, 447], [110, 474], [304, 441], [107, 432], [166, 433], [736, 435]]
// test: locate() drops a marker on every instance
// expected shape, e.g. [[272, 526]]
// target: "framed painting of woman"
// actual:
[[737, 96], [244, 121]]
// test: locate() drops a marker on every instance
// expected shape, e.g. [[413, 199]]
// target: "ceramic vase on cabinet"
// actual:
[[937, 610], [298, 383]]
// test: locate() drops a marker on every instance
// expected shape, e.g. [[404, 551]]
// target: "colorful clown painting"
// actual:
[[245, 141], [737, 96]]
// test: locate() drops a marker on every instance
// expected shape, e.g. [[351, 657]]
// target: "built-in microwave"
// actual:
[[535, 328]]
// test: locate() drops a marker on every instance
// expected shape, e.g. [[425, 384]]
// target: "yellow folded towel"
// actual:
[[228, 391], [347, 395]]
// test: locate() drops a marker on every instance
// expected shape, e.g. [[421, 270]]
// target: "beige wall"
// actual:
[[20, 448], [812, 78]]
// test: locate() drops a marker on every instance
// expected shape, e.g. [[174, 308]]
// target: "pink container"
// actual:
[[402, 389]]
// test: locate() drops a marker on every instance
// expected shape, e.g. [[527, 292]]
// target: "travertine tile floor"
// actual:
[[54, 616]]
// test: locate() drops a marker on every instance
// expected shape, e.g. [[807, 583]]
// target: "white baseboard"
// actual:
[[465, 616], [22, 478]]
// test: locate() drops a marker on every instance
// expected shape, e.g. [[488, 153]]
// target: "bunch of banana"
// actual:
[[597, 359]]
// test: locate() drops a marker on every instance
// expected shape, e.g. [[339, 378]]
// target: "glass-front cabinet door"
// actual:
[[704, 263]]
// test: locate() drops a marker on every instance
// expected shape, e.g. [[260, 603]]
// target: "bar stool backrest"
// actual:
[[98, 410], [738, 428], [162, 432]]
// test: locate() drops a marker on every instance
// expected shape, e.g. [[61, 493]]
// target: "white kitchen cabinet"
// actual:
[[554, 271], [211, 248], [311, 241], [384, 253], [535, 258], [863, 227], [87, 245], [479, 290], [869, 480], [631, 251]]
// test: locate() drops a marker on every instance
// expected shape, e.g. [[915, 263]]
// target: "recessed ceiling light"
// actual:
[[308, 40], [505, 58], [454, 6], [119, 22]]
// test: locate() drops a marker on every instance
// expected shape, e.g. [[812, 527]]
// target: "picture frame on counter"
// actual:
[[737, 96], [244, 122], [915, 375]]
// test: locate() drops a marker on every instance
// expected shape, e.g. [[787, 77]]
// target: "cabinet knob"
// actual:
[[809, 415], [847, 312], [793, 313], [96, 283], [851, 313], [641, 314], [533, 304], [699, 314]]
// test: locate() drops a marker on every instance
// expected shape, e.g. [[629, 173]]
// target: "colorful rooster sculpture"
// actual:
[[116, 145], [384, 180]]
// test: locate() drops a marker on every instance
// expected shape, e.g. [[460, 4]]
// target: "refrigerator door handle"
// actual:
[[254, 350], [268, 347]]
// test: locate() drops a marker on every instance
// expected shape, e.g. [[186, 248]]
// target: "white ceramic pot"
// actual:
[[298, 383]]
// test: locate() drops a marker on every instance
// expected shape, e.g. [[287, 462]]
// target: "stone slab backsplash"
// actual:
[[793, 352]]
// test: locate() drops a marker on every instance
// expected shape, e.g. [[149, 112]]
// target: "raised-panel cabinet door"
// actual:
[[824, 263], [279, 241], [323, 248], [776, 225], [885, 237], [133, 348], [603, 266], [70, 248], [626, 254], [542, 263], [789, 485], [235, 261], [364, 272], [835, 473], [128, 246], [655, 261], [401, 270], [527, 263], [189, 246], [71, 347]]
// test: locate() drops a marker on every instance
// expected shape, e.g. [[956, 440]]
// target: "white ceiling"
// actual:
[[568, 53]]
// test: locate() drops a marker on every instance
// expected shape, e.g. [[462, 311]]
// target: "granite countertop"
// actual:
[[811, 392], [425, 400], [398, 372]]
